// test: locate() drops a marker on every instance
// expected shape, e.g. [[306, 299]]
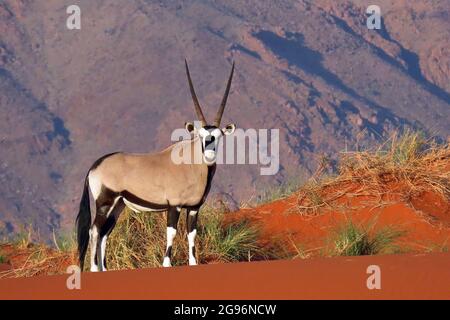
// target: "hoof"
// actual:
[[192, 262], [94, 269], [166, 263]]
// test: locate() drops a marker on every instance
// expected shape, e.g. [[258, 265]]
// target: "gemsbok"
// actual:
[[151, 182]]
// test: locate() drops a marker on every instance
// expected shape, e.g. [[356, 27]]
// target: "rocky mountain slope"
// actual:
[[309, 68]]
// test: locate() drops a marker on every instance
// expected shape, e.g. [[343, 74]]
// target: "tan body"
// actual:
[[154, 178]]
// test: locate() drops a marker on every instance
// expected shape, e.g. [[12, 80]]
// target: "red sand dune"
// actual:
[[402, 277], [424, 219]]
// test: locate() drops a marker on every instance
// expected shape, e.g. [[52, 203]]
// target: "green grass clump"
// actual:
[[353, 240], [65, 241], [234, 242]]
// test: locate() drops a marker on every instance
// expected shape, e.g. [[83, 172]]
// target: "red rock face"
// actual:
[[314, 71]]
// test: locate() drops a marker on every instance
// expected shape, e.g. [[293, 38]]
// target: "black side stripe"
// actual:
[[141, 202]]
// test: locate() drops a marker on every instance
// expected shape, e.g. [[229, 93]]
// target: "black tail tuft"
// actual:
[[83, 223]]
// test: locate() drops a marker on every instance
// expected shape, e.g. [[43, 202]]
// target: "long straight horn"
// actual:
[[198, 109], [224, 100]]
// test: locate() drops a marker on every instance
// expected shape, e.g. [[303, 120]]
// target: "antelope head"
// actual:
[[209, 134]]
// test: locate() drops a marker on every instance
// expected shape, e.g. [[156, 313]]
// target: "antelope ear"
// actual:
[[189, 127], [229, 129]]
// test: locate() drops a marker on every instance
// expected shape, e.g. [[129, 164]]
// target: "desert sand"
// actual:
[[421, 276]]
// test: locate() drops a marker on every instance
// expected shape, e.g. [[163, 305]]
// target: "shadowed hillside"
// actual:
[[309, 68]]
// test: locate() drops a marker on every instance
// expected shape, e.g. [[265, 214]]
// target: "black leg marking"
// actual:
[[108, 209], [109, 224], [112, 218], [191, 225], [169, 252], [172, 222], [95, 257], [191, 220], [105, 201], [172, 217]]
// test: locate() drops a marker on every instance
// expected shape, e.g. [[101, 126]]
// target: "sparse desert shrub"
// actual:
[[353, 240]]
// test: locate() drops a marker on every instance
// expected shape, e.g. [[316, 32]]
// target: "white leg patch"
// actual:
[[166, 262], [103, 252], [191, 242], [94, 268], [93, 236], [171, 233]]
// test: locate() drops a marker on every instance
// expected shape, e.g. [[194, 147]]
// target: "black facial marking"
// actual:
[[193, 251], [209, 140], [209, 143]]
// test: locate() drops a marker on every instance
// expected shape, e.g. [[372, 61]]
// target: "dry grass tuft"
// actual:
[[139, 241], [35, 260], [404, 166]]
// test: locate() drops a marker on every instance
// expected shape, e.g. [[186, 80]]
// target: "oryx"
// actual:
[[151, 182]]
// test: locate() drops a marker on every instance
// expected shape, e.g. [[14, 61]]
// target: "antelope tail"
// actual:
[[83, 224]]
